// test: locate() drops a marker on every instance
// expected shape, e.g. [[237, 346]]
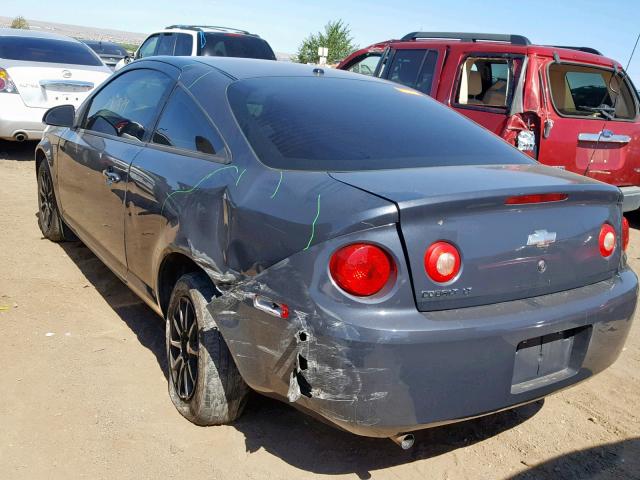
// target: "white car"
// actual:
[[39, 71], [202, 40]]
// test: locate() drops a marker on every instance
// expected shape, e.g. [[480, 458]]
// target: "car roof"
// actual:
[[17, 32], [239, 68]]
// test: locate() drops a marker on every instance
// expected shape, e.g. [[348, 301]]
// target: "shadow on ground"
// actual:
[[23, 151], [619, 460], [280, 429]]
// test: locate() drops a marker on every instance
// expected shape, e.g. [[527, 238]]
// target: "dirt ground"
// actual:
[[83, 391]]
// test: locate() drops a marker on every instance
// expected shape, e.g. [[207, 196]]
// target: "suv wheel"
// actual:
[[49, 220], [204, 382]]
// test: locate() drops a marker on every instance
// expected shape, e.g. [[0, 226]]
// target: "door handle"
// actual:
[[111, 176], [605, 136]]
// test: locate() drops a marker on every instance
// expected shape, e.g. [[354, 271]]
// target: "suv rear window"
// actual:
[[32, 49], [309, 123], [590, 92], [235, 45], [107, 48]]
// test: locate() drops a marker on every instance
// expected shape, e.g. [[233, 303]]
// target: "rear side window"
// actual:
[[320, 123], [487, 82], [31, 49], [590, 92], [235, 45], [166, 44], [185, 126], [127, 106], [184, 45], [413, 68]]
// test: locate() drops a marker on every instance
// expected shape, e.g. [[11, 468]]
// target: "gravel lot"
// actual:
[[83, 385]]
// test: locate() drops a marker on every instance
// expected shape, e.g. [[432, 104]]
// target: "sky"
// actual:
[[610, 26]]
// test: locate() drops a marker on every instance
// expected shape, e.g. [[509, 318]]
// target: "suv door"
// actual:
[[94, 158], [579, 136], [485, 87]]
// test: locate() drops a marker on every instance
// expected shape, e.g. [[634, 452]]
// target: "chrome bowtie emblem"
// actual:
[[541, 238], [542, 266], [66, 74]]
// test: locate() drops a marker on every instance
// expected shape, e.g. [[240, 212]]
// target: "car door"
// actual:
[[94, 158], [579, 138]]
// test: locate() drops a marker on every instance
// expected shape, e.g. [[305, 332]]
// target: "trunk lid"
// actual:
[[47, 85], [501, 245]]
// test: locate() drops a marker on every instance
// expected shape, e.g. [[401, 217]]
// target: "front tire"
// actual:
[[204, 382], [49, 219]]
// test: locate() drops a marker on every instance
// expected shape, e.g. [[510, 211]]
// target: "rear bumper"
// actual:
[[450, 365], [631, 199], [16, 117]]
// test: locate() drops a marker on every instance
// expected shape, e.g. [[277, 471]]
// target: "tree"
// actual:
[[20, 22], [336, 37]]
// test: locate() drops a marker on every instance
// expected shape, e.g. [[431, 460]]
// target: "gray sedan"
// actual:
[[340, 242]]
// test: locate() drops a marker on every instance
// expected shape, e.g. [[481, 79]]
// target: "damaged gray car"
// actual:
[[340, 242]]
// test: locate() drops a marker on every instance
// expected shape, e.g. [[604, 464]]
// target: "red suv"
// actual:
[[568, 107]]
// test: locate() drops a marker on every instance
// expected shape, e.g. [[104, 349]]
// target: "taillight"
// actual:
[[536, 198], [442, 262], [361, 269], [6, 84], [625, 233], [607, 240]]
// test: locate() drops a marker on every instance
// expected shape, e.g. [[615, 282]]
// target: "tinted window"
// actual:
[[234, 45], [312, 123], [590, 92], [184, 45], [425, 77], [366, 66], [107, 48], [405, 67], [126, 107], [184, 125], [30, 49], [148, 48], [167, 44]]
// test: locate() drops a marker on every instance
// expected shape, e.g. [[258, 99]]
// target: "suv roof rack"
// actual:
[[580, 49], [469, 37], [212, 27]]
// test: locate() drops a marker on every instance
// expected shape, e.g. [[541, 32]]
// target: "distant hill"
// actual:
[[129, 39]]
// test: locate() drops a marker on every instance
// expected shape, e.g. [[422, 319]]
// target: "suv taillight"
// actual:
[[442, 262], [625, 233], [6, 84], [361, 269], [607, 240]]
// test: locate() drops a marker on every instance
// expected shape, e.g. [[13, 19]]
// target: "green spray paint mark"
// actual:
[[242, 173], [195, 187], [277, 187], [313, 226]]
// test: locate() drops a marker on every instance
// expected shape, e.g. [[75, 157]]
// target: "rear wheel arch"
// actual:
[[173, 266], [40, 156]]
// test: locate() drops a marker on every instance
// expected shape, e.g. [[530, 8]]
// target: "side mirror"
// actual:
[[60, 116]]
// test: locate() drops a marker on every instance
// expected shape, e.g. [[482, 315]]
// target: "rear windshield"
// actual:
[[107, 48], [316, 123], [235, 45], [584, 91], [47, 50]]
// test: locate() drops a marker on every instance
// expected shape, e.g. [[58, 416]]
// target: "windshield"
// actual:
[[235, 45], [318, 123], [31, 49]]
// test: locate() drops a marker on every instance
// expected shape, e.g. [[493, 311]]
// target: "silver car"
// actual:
[[39, 71]]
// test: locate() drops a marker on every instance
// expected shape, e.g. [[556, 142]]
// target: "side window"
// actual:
[[367, 65], [148, 48], [184, 45], [127, 106], [167, 44], [425, 77], [487, 82], [184, 125], [405, 66]]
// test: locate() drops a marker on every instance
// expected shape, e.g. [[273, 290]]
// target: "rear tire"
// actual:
[[49, 219], [204, 382]]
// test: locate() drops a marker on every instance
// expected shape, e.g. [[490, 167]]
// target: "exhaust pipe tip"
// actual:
[[20, 137], [405, 441]]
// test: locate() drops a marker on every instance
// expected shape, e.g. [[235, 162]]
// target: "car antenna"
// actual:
[[616, 70]]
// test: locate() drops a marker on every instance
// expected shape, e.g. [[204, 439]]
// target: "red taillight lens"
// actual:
[[442, 262], [607, 240], [361, 269], [537, 198], [625, 233]]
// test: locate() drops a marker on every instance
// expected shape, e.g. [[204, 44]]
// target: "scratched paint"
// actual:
[[275, 192], [313, 226]]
